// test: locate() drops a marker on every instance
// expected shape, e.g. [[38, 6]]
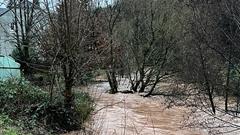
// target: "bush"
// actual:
[[69, 119], [18, 97], [21, 101], [87, 77], [8, 126], [30, 106], [83, 105]]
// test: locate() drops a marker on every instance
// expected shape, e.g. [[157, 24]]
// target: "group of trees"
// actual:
[[69, 35], [28, 18], [67, 41], [194, 41], [213, 55], [146, 41], [150, 39]]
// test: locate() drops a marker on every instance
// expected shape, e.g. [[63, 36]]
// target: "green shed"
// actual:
[[9, 68]]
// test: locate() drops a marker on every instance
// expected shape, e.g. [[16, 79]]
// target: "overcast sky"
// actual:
[[4, 2], [1, 3], [102, 2]]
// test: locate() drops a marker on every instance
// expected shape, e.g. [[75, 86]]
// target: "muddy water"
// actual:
[[131, 114]]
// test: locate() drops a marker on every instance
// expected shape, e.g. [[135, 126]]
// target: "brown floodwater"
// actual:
[[131, 114]]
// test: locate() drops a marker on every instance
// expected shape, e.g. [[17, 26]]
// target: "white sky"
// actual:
[[101, 2], [4, 2], [1, 3]]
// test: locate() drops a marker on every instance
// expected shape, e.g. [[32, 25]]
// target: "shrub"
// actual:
[[10, 131], [83, 105], [8, 126], [30, 106], [18, 97], [68, 119], [86, 78], [21, 101]]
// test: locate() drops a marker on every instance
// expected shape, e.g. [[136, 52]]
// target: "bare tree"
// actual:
[[148, 42], [110, 18], [69, 42], [216, 31], [28, 16]]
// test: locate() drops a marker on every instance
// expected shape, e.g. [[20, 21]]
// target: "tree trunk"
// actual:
[[153, 87], [68, 76], [210, 97], [207, 85], [112, 79], [112, 82], [132, 86], [227, 88], [142, 75], [68, 95], [135, 86], [142, 89], [228, 78]]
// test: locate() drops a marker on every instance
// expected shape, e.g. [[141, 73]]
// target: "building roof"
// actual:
[[8, 62], [9, 68], [3, 11]]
